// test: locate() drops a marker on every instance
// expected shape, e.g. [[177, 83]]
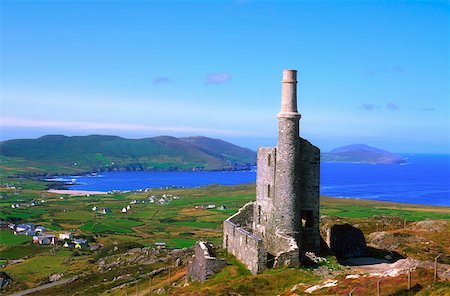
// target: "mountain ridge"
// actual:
[[60, 153]]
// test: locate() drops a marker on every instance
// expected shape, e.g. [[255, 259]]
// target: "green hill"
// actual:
[[62, 154]]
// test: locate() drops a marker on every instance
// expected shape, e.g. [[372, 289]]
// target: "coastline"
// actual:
[[76, 192]]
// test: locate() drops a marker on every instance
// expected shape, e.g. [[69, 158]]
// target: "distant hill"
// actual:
[[361, 153], [62, 154]]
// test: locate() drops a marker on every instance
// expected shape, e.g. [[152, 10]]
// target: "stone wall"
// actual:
[[288, 252], [264, 214], [244, 217], [245, 246], [309, 170], [204, 262]]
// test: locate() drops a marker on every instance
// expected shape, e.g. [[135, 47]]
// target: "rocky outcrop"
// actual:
[[392, 240], [5, 280]]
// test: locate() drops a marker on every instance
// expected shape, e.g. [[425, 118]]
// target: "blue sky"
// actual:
[[369, 72]]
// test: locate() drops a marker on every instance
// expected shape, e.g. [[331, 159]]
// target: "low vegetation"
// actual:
[[178, 224]]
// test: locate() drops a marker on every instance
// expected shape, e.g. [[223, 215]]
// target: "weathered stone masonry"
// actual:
[[284, 219], [204, 263]]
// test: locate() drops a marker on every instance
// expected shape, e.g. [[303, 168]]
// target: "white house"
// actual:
[[40, 229], [124, 210], [65, 235], [106, 211], [24, 227]]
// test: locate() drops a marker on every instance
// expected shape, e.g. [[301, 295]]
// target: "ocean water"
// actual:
[[425, 179]]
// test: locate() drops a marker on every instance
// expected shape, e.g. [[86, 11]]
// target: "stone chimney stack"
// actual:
[[288, 157], [289, 95]]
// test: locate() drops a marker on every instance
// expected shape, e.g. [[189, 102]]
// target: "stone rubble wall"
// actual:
[[245, 246], [204, 263], [288, 253], [244, 217]]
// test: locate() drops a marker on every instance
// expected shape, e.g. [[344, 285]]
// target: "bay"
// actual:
[[425, 179]]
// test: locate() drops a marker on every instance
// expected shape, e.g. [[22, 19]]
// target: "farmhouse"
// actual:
[[106, 211], [66, 235]]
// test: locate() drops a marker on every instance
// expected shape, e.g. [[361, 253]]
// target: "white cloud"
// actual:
[[93, 126]]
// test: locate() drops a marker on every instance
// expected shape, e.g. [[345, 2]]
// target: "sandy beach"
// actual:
[[76, 192]]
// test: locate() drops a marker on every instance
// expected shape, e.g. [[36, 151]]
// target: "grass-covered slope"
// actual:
[[62, 154]]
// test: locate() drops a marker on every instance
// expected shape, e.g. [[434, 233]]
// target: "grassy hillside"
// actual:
[[62, 154], [179, 224]]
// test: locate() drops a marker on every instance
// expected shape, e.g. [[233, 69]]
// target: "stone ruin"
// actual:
[[283, 222], [204, 262]]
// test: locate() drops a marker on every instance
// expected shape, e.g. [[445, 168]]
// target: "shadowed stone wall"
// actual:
[[204, 262], [309, 170]]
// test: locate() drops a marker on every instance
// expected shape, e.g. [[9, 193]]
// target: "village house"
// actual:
[[40, 229], [66, 235], [46, 239], [80, 243], [106, 211], [25, 229]]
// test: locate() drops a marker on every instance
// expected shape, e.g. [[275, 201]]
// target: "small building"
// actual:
[[160, 245], [21, 228], [124, 210], [211, 206], [47, 239], [223, 208], [128, 208], [66, 235], [106, 211], [94, 208], [80, 243], [40, 229]]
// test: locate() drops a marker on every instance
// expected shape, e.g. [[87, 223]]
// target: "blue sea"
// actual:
[[424, 179]]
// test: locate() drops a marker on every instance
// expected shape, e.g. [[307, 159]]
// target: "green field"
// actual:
[[7, 238], [178, 224]]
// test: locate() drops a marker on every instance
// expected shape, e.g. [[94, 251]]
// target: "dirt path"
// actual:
[[138, 230], [43, 287]]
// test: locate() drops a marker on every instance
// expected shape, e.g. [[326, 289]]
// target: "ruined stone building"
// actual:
[[283, 222]]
